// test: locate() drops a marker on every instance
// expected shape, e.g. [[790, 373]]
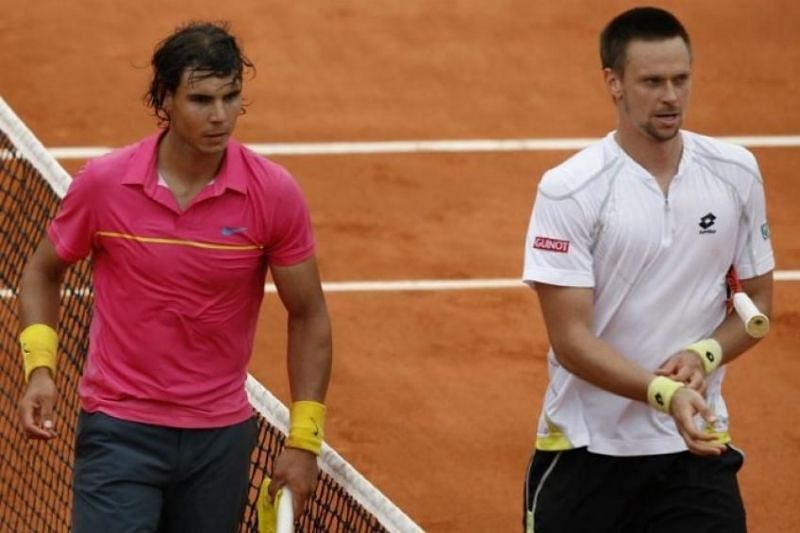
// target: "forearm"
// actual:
[[568, 314], [38, 300], [597, 362], [309, 355]]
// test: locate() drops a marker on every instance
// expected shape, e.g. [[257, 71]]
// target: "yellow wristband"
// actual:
[[307, 419], [660, 392], [39, 344], [710, 353]]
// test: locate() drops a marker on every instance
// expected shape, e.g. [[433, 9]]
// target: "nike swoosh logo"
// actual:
[[227, 231], [316, 427]]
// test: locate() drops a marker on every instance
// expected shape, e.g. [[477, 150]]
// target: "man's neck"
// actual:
[[659, 158], [179, 162]]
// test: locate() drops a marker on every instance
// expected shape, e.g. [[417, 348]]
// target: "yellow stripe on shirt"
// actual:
[[179, 242]]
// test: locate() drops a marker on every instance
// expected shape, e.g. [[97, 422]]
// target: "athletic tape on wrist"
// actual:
[[39, 343], [710, 353], [660, 392], [307, 421]]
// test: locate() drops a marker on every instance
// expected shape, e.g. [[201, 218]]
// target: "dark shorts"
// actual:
[[577, 491], [132, 477]]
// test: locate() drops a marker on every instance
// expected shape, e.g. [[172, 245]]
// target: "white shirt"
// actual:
[[657, 264]]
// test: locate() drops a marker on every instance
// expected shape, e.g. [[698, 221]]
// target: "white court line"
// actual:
[[400, 147], [419, 285], [422, 285], [458, 284]]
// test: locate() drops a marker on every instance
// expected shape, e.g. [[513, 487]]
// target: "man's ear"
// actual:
[[613, 80], [168, 98]]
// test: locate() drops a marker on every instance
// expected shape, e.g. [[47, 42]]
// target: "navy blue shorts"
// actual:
[[577, 491], [140, 477]]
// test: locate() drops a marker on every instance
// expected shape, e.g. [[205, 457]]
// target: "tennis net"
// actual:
[[35, 476]]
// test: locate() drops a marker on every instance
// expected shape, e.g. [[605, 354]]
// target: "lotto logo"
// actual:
[[551, 245]]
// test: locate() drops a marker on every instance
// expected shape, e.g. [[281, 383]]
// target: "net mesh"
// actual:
[[35, 476]]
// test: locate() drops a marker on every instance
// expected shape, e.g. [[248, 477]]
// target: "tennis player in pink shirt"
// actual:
[[182, 228]]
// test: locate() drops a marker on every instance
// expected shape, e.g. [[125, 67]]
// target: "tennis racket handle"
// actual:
[[756, 323], [285, 512]]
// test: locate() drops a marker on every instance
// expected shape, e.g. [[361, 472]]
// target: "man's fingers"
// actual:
[[26, 415], [701, 436], [667, 368], [696, 381], [46, 414], [37, 433], [299, 502], [705, 449], [707, 414], [683, 375], [698, 441], [30, 424], [275, 484], [704, 444], [36, 408]]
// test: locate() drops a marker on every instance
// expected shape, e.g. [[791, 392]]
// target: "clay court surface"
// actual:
[[435, 394]]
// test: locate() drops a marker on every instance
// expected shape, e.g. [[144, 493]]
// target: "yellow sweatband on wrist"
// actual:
[[39, 344], [660, 392], [710, 353], [306, 422]]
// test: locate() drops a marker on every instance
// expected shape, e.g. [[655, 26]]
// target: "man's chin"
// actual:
[[212, 149], [662, 134]]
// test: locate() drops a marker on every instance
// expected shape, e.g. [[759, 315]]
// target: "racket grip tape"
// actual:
[[756, 323]]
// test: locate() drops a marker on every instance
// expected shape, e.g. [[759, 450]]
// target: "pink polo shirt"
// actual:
[[177, 293]]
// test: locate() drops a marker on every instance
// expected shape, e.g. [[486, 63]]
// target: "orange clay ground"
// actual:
[[435, 395]]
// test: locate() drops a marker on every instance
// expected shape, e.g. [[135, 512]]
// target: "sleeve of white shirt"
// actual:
[[559, 241], [754, 255]]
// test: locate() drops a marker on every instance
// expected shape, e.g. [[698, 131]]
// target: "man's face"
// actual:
[[203, 111], [653, 91]]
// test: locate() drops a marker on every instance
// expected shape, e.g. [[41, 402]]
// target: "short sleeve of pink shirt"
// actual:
[[291, 238], [73, 229]]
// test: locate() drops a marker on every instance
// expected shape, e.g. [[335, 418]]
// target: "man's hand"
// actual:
[[296, 469], [686, 403], [36, 405], [685, 367]]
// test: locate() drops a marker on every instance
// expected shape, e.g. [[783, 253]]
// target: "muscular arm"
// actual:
[[309, 361], [40, 285], [38, 304], [310, 345], [568, 316]]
